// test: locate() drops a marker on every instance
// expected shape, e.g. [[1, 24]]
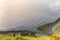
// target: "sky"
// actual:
[[27, 14]]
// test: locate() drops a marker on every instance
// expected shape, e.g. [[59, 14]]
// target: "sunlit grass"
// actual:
[[18, 37], [58, 29]]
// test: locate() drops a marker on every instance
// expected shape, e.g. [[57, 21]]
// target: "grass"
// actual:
[[58, 29], [18, 37]]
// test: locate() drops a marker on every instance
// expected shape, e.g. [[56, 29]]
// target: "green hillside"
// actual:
[[48, 27]]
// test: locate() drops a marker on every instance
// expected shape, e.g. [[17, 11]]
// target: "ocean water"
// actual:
[[27, 14]]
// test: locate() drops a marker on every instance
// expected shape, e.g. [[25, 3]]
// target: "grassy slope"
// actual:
[[46, 28], [58, 29], [6, 37]]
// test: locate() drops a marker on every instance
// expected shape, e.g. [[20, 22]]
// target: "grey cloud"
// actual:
[[26, 13]]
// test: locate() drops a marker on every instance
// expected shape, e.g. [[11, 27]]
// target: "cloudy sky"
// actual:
[[27, 13]]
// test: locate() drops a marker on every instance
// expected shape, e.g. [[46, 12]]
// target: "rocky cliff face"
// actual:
[[27, 14]]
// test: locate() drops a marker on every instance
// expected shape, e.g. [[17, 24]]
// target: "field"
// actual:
[[18, 37]]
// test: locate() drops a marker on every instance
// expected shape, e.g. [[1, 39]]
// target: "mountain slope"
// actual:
[[47, 28]]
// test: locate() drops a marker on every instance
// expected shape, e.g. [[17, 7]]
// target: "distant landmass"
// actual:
[[47, 28]]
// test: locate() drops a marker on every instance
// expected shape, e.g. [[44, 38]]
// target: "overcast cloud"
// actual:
[[27, 14]]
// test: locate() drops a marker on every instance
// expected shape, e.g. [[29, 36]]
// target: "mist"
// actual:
[[27, 14]]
